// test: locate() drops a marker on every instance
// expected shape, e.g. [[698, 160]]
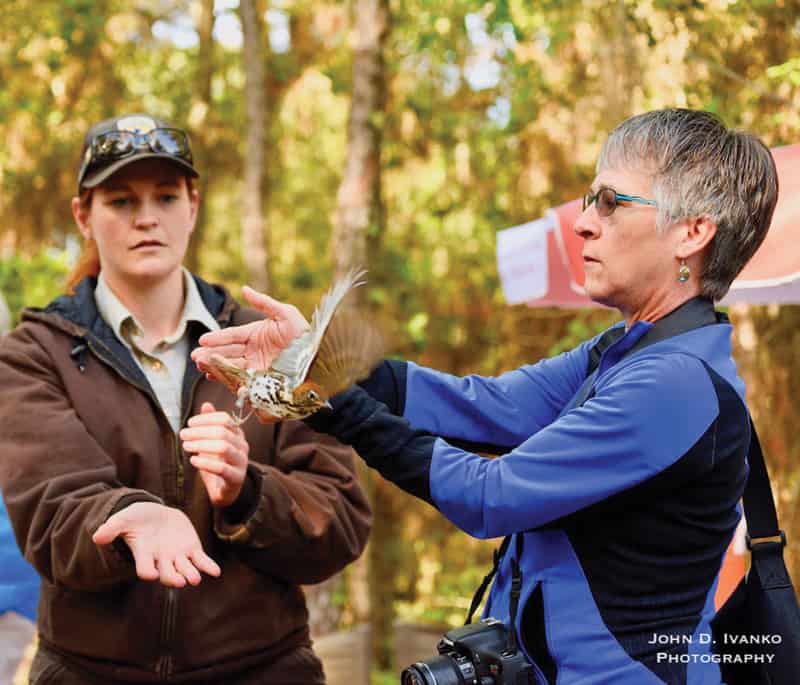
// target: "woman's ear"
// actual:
[[696, 234], [81, 215], [194, 206]]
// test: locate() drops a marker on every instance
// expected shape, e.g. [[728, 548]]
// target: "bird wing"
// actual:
[[350, 349], [296, 358], [232, 377]]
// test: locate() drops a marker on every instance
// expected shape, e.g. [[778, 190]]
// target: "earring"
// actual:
[[684, 272]]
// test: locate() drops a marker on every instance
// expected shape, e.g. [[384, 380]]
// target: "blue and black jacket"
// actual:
[[624, 463]]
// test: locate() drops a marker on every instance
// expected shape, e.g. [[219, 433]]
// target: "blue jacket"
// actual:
[[626, 496], [19, 582]]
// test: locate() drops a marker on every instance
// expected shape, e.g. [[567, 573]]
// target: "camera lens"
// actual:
[[413, 676], [441, 670]]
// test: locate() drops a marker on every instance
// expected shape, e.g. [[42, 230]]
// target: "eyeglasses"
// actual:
[[607, 200], [113, 145]]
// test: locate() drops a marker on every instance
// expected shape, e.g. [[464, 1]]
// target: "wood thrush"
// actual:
[[340, 348]]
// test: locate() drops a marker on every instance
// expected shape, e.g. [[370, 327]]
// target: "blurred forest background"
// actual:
[[399, 134]]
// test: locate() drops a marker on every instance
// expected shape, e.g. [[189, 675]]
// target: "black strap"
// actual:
[[513, 598], [586, 388], [478, 596], [759, 505], [516, 589]]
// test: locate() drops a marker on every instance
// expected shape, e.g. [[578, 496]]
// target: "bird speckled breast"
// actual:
[[267, 391]]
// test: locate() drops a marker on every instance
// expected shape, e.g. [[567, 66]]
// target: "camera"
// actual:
[[475, 654]]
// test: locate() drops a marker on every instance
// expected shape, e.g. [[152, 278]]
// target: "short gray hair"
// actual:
[[702, 168]]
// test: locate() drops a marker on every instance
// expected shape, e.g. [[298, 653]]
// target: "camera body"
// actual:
[[474, 654]]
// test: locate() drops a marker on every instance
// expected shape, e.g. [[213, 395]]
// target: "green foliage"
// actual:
[[32, 281], [383, 678], [583, 326], [461, 158], [788, 70]]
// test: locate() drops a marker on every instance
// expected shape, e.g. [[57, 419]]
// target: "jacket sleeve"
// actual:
[[495, 411], [59, 485], [310, 516], [639, 423]]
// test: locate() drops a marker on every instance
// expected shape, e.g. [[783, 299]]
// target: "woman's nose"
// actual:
[[146, 215], [586, 225]]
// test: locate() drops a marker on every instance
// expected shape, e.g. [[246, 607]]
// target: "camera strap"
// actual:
[[477, 598], [516, 588], [516, 591]]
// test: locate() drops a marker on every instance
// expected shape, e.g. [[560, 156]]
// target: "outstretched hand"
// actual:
[[163, 541]]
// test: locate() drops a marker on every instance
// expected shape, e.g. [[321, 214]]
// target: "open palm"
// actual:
[[254, 345]]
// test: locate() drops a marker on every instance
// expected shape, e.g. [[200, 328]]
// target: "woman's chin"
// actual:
[[598, 294], [152, 273]]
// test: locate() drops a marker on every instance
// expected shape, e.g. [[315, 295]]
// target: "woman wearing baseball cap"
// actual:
[[171, 542]]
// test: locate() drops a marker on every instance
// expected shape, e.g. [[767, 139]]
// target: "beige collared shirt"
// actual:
[[165, 365]]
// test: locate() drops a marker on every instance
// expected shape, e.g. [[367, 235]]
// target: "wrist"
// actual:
[[241, 506]]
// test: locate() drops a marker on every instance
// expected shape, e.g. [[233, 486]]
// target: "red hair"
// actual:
[[89, 259]]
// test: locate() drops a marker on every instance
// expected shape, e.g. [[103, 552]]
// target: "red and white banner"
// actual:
[[540, 262]]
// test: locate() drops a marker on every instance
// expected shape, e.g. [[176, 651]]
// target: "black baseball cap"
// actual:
[[115, 143]]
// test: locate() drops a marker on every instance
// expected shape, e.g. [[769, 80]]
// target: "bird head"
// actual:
[[309, 397]]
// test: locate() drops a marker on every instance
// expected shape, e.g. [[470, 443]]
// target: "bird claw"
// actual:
[[238, 420], [241, 399]]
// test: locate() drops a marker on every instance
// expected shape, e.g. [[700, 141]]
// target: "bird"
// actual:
[[340, 348]]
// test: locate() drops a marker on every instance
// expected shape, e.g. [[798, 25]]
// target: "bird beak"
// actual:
[[327, 405]]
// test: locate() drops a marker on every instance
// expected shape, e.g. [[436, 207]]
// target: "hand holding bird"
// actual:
[[253, 345], [282, 367]]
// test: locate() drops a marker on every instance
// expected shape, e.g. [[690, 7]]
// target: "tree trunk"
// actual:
[[766, 342], [358, 225], [254, 230], [359, 215], [198, 124]]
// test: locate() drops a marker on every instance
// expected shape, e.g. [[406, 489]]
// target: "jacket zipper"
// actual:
[[181, 476], [165, 663]]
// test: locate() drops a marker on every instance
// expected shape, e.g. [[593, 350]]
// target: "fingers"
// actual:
[[145, 566], [218, 441], [176, 570], [233, 352], [205, 563], [205, 418], [273, 308], [215, 466], [215, 433], [185, 568], [233, 335], [219, 451], [108, 532], [168, 575]]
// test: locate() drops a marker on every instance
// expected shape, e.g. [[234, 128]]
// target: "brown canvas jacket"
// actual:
[[82, 435]]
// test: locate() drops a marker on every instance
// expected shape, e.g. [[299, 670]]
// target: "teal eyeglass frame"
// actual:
[[609, 207]]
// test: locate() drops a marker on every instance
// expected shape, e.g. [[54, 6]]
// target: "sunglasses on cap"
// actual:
[[606, 200], [114, 145]]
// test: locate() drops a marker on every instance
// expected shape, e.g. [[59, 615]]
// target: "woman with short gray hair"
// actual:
[[699, 167], [624, 459]]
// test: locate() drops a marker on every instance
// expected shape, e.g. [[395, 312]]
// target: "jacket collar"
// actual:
[[694, 313], [80, 308], [118, 316], [77, 315]]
